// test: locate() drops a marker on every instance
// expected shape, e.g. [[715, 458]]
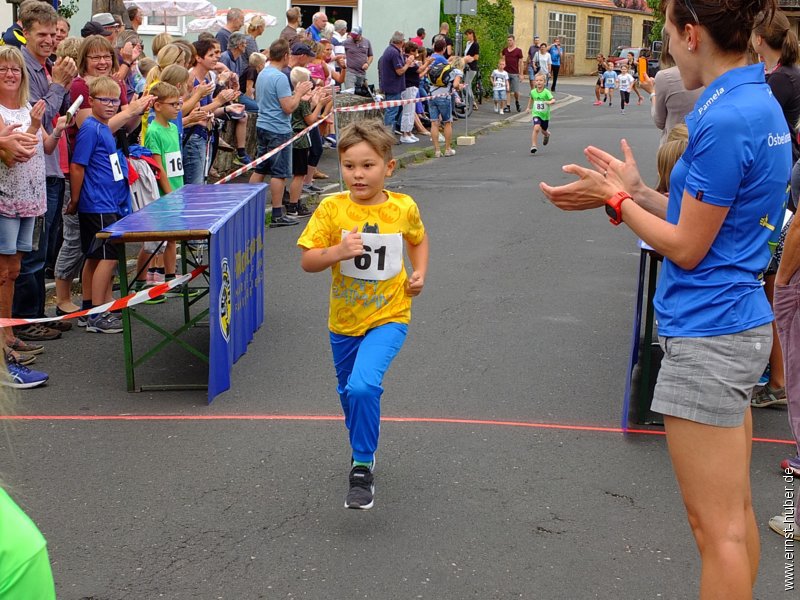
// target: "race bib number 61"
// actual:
[[382, 258]]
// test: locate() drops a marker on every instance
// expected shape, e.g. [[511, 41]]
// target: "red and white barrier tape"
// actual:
[[126, 302], [386, 103], [358, 108]]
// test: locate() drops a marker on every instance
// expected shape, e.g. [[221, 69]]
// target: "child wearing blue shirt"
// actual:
[[610, 82], [100, 196]]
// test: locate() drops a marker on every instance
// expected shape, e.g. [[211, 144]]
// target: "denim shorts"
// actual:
[[710, 380], [16, 235], [441, 108], [280, 165], [499, 95]]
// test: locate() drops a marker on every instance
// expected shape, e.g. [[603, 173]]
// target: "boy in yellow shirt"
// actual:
[[360, 235]]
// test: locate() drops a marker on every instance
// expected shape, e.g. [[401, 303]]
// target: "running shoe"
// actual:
[[533, 149], [310, 188], [299, 211], [242, 160], [21, 377], [361, 495], [546, 139], [785, 525], [597, 103], [60, 325], [282, 221], [517, 103], [178, 292], [787, 465], [104, 323], [19, 346], [449, 152], [22, 358]]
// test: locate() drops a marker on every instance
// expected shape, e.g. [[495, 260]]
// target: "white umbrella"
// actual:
[[174, 8], [215, 23]]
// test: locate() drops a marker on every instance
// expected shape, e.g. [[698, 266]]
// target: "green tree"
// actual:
[[492, 24], [658, 19]]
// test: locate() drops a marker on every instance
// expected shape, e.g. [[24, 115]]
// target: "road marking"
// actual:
[[428, 420]]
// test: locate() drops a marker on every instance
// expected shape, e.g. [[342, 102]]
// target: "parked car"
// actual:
[[653, 55]]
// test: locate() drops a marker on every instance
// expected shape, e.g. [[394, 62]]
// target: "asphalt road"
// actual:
[[525, 319]]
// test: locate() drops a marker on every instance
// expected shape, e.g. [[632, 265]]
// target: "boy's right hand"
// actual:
[[351, 245]]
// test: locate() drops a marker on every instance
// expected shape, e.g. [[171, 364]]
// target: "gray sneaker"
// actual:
[[104, 323]]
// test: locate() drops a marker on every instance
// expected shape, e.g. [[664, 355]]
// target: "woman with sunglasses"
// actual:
[[726, 202]]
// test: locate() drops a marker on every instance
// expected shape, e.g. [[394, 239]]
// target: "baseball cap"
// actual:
[[301, 49], [92, 28], [356, 30], [104, 19]]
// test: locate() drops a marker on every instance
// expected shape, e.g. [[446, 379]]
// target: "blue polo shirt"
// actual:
[[105, 181], [739, 156]]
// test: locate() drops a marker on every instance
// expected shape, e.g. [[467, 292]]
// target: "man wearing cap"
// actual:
[[233, 23], [92, 28], [108, 23], [318, 23], [358, 52], [300, 55]]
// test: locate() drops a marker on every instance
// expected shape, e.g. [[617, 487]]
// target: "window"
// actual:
[[562, 26], [621, 32], [594, 35], [154, 24]]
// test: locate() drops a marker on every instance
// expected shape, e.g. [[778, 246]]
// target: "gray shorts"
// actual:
[[513, 83], [710, 379]]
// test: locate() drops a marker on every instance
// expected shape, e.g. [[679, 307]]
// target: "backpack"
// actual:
[[441, 74]]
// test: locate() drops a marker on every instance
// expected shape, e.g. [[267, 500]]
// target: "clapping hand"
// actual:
[[37, 114], [16, 146]]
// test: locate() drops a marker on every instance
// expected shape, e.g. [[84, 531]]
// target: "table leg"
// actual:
[[647, 350], [127, 333], [185, 287]]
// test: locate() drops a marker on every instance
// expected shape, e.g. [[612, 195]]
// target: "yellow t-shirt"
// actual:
[[358, 305]]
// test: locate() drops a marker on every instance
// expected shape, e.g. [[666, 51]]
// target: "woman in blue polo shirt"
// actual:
[[726, 202]]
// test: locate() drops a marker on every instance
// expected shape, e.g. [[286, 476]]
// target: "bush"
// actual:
[[492, 24]]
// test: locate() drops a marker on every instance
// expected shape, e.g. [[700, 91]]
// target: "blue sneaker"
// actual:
[[21, 377], [242, 160]]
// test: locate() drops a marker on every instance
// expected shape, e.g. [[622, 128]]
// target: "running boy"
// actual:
[[500, 86], [163, 141], [98, 177], [360, 235], [609, 82], [539, 104], [625, 83]]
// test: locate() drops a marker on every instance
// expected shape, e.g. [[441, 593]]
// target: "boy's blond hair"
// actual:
[[104, 86], [257, 59], [371, 131], [299, 74], [163, 91], [176, 75], [71, 47]]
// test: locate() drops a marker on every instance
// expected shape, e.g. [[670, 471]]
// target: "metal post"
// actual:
[[336, 127]]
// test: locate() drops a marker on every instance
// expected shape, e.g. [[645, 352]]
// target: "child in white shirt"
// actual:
[[625, 83], [500, 86]]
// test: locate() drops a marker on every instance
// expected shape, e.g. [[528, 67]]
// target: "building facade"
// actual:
[[585, 28]]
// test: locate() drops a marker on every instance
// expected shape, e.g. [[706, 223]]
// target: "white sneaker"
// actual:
[[449, 152], [437, 154], [406, 140], [413, 138]]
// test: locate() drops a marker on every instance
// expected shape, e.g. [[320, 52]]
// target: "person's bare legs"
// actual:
[[102, 281], [777, 376], [7, 262], [448, 134], [435, 134], [240, 131], [296, 189], [64, 296], [170, 258], [711, 466], [87, 277]]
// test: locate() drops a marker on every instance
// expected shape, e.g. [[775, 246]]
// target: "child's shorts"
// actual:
[[300, 161], [91, 224], [499, 95], [609, 86], [541, 123]]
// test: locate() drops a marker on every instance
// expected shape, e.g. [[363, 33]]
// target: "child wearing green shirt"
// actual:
[[539, 104]]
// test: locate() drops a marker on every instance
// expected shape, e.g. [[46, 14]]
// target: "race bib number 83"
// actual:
[[539, 106], [382, 258]]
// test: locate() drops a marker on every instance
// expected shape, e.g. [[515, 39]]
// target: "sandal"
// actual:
[[320, 175], [19, 346], [766, 396], [21, 358]]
